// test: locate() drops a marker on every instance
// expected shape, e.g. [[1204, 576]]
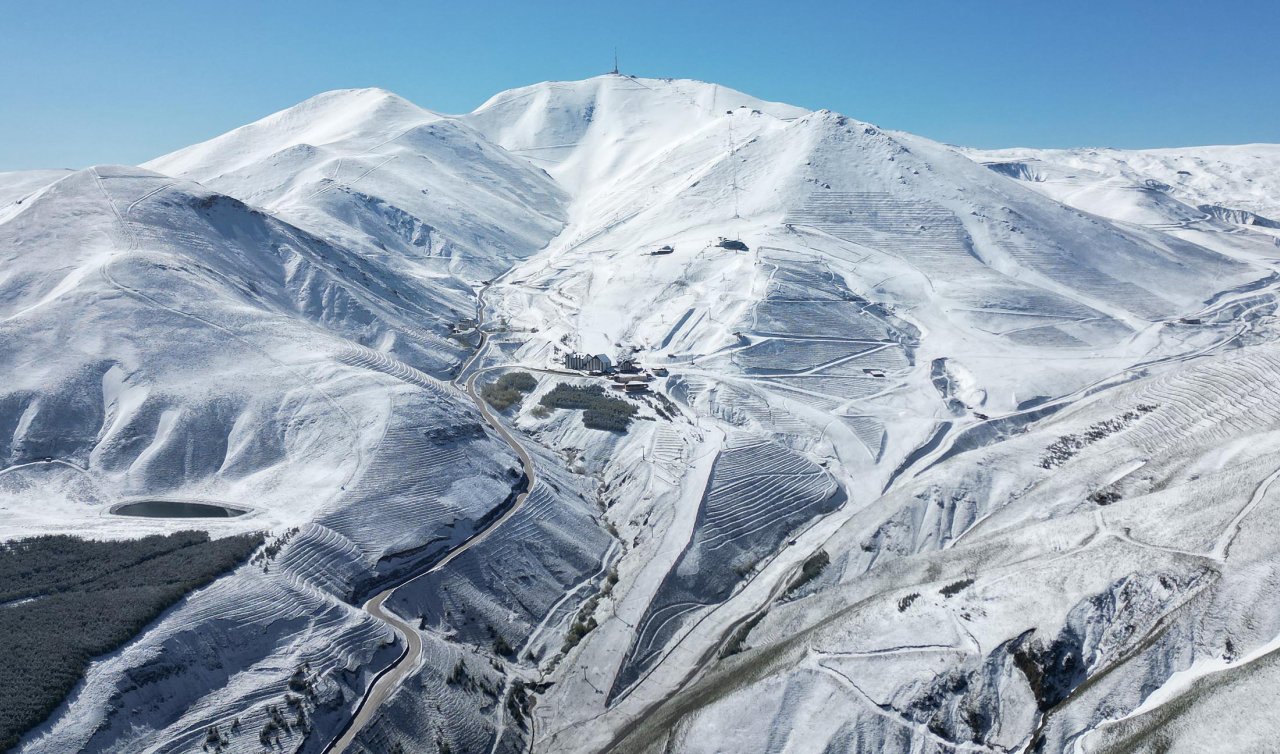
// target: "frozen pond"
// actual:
[[176, 509]]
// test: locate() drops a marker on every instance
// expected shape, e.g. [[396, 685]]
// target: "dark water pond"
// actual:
[[175, 509]]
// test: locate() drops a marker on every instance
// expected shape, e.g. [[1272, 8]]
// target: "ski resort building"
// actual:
[[584, 362]]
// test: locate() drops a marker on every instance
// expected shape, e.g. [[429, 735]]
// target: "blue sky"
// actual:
[[87, 83]]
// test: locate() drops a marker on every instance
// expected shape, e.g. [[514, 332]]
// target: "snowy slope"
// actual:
[[169, 342], [591, 134], [871, 251], [235, 323], [971, 292], [369, 170], [1240, 177], [1009, 383], [995, 603], [16, 186]]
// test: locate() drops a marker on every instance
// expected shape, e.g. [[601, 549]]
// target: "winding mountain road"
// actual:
[[390, 678]]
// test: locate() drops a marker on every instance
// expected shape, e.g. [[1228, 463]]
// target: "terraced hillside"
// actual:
[[758, 493], [924, 629]]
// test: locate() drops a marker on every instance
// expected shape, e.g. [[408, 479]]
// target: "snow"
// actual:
[[1151, 185], [264, 319], [372, 172], [361, 116]]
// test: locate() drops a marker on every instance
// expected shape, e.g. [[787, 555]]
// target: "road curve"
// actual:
[[386, 682]]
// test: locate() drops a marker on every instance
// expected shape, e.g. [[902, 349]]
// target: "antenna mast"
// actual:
[[615, 61]]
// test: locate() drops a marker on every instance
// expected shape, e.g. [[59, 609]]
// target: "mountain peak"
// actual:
[[342, 115], [701, 95], [581, 131]]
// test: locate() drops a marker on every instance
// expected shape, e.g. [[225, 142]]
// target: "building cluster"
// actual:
[[628, 375], [589, 363]]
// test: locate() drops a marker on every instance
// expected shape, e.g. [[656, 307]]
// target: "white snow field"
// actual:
[[955, 450]]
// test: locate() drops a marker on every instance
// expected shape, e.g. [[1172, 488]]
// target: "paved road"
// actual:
[[390, 679]]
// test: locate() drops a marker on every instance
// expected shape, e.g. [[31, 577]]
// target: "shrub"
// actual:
[[458, 675], [606, 420], [585, 622], [578, 630], [738, 641], [508, 390], [1104, 497], [600, 411], [813, 566], [519, 702]]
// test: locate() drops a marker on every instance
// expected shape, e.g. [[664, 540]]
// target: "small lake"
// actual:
[[176, 509]]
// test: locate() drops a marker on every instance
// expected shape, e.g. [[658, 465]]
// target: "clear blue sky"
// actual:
[[84, 83]]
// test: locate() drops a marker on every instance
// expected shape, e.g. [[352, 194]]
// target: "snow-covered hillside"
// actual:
[[1150, 186], [370, 170], [952, 450]]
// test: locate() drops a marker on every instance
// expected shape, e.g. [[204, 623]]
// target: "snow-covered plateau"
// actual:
[[945, 450]]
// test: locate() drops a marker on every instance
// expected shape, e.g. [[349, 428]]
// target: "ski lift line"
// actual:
[[146, 196], [549, 146], [360, 177], [539, 158], [334, 184], [130, 238]]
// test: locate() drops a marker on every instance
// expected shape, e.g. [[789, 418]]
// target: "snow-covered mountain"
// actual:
[[953, 450], [374, 171]]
